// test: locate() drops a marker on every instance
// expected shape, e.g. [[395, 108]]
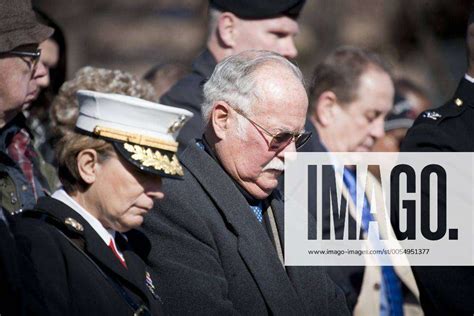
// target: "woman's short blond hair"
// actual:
[[65, 107], [67, 150]]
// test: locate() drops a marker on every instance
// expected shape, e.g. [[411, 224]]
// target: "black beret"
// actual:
[[259, 9]]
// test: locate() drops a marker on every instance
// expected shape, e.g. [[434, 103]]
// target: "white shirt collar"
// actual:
[[469, 78], [106, 234]]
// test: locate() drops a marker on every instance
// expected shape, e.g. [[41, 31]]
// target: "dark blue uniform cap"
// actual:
[[259, 9]]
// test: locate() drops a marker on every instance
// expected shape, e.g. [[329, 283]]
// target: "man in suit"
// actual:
[[217, 238], [350, 95], [449, 128], [234, 26]]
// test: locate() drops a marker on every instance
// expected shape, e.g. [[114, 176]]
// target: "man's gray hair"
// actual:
[[234, 82]]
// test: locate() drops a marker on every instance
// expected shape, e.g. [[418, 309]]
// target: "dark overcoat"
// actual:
[[69, 282], [450, 128], [187, 94], [213, 257]]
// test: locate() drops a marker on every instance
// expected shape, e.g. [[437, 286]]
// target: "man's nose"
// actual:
[[41, 75], [289, 49], [378, 130], [152, 187], [290, 148]]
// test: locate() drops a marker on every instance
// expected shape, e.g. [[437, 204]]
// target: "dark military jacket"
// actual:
[[15, 191], [187, 94], [450, 128], [77, 273], [447, 128]]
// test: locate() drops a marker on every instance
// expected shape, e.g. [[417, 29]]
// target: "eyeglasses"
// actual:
[[282, 139], [35, 56]]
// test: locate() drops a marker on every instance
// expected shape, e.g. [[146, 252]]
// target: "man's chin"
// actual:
[[363, 149], [26, 106]]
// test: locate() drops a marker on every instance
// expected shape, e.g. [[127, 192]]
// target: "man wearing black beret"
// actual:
[[450, 128], [234, 26]]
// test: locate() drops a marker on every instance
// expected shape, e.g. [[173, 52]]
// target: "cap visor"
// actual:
[[151, 160]]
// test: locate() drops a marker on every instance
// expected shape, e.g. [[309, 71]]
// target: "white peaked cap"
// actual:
[[142, 131]]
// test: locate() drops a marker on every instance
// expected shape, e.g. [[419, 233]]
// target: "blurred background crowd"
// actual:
[[422, 40]]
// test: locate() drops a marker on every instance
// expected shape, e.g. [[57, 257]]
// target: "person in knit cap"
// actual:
[[20, 34], [24, 176]]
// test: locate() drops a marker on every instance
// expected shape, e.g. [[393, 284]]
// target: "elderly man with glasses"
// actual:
[[217, 237], [23, 175]]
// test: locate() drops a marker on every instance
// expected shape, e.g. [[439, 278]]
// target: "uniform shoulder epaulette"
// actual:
[[67, 225], [452, 108]]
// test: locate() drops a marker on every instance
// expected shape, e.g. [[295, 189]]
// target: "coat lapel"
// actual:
[[254, 246], [303, 278], [401, 264], [133, 276], [94, 246]]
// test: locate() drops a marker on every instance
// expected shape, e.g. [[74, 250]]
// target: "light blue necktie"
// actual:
[[257, 210], [391, 286]]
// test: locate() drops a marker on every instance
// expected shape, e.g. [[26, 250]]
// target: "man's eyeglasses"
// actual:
[[34, 55], [280, 140]]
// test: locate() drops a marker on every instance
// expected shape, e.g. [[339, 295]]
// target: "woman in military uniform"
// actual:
[[82, 241]]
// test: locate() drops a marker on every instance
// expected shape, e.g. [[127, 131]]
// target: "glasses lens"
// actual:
[[31, 56], [302, 139], [281, 140], [36, 59]]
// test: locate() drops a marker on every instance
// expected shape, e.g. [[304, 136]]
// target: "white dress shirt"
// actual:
[[107, 235]]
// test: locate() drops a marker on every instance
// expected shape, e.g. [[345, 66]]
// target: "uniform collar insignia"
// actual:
[[75, 225], [432, 115]]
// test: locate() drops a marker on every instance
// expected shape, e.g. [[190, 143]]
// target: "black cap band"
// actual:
[[261, 9]]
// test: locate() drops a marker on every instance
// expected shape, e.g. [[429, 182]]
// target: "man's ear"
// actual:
[[226, 29], [326, 108], [220, 118], [87, 163]]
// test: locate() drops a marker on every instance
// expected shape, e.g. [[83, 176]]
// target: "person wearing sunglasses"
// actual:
[[217, 236]]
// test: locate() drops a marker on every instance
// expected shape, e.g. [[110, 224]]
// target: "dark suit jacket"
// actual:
[[187, 94], [213, 257], [69, 282], [10, 289], [446, 290], [349, 278]]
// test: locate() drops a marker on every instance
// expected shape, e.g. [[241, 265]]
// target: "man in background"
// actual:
[[350, 95], [234, 26]]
